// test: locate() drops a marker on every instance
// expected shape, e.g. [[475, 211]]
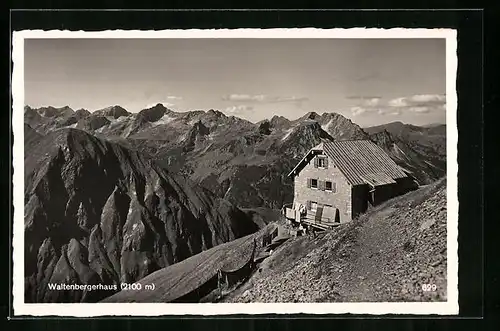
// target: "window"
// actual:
[[314, 183], [321, 162], [314, 205], [330, 186]]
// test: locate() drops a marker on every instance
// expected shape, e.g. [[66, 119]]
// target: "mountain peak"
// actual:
[[115, 111], [265, 127], [310, 116], [51, 111], [216, 113], [279, 121], [154, 113]]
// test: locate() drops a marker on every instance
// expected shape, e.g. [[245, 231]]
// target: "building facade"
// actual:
[[337, 181]]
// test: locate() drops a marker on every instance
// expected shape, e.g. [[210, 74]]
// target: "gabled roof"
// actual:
[[362, 162], [318, 149]]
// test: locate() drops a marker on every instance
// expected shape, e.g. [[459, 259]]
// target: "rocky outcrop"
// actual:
[[55, 112], [98, 213], [265, 128], [93, 123], [31, 137], [425, 163], [82, 113], [112, 111], [154, 113], [195, 135]]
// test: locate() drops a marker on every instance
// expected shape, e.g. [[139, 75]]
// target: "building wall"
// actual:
[[386, 192], [341, 199], [405, 185], [359, 199], [362, 197]]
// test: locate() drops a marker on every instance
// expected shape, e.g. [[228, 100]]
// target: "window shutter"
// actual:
[[308, 204], [322, 185], [308, 182], [334, 187], [326, 162], [316, 162]]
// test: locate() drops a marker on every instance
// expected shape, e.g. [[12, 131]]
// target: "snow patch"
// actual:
[[287, 134], [228, 189], [327, 126], [193, 121], [430, 164], [399, 150], [211, 136], [101, 129], [165, 119], [182, 138]]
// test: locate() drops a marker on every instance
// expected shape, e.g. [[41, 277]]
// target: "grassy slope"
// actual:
[[181, 278], [386, 255]]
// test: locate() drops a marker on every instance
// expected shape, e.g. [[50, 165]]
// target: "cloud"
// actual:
[[419, 109], [367, 77], [237, 109], [416, 104], [429, 98], [366, 101], [358, 111], [244, 97], [399, 102], [373, 102], [362, 97], [420, 103], [173, 97], [261, 98]]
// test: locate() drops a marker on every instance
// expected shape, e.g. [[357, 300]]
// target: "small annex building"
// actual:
[[336, 181]]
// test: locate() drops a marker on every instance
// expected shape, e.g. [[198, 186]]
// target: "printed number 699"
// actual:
[[429, 287]]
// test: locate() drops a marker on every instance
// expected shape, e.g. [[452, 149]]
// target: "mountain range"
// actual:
[[244, 162], [112, 196]]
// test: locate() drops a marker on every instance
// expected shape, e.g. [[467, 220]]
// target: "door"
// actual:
[[337, 215], [319, 214]]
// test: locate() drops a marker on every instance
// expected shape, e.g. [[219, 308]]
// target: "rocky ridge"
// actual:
[[98, 213]]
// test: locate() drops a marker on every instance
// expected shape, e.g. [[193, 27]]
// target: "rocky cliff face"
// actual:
[[98, 213], [31, 137], [419, 150], [112, 111], [336, 125]]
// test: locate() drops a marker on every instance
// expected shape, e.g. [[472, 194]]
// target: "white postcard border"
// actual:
[[160, 309]]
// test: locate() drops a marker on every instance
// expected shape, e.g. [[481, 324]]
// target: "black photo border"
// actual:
[[469, 25]]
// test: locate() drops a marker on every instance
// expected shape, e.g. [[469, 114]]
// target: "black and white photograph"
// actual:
[[235, 171]]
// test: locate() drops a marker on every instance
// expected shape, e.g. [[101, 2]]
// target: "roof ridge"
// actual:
[[362, 163], [360, 139]]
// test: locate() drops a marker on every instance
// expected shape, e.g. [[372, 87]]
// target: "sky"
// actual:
[[370, 81]]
